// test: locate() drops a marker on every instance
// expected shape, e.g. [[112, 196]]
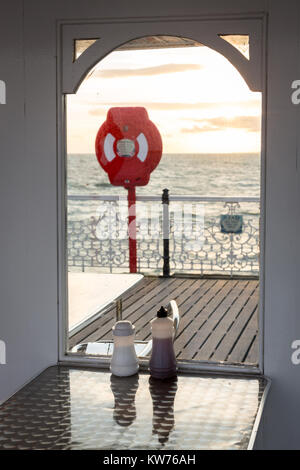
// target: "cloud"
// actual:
[[100, 111], [146, 71], [169, 106], [247, 123]]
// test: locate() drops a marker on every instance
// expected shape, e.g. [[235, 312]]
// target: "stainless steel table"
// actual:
[[72, 408]]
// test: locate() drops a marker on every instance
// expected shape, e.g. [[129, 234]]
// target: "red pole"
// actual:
[[132, 229]]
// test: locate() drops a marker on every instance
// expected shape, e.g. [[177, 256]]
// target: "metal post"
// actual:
[[132, 229], [119, 309], [166, 232]]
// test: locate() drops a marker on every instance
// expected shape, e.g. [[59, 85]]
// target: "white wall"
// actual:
[[28, 318], [282, 294], [28, 283]]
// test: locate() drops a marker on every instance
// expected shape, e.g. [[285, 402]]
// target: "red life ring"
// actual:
[[128, 146]]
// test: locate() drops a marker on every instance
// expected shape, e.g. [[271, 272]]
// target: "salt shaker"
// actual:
[[124, 361]]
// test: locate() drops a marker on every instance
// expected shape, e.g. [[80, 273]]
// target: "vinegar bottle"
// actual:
[[163, 362]]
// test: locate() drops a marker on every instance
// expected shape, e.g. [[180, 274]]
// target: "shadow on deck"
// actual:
[[219, 318]]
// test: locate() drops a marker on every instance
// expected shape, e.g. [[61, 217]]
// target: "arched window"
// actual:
[[205, 99]]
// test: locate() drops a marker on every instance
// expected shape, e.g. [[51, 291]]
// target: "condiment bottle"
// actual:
[[163, 362], [124, 361]]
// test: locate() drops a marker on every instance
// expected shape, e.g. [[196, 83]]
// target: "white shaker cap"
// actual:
[[123, 328]]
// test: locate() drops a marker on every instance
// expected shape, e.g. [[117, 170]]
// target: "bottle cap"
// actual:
[[123, 328], [162, 312]]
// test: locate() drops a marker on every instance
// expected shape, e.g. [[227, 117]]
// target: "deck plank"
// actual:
[[219, 317], [205, 311], [179, 294], [214, 331], [145, 305], [233, 335], [252, 356], [145, 314], [204, 296], [245, 341]]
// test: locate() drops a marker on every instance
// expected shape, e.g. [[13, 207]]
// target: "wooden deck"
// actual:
[[219, 318]]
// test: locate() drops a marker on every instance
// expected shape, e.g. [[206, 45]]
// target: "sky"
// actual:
[[197, 99]]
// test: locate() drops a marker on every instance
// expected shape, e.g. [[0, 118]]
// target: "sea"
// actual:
[[217, 175]]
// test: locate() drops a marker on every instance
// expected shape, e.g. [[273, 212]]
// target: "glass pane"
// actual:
[[81, 45], [211, 166], [158, 42], [240, 42]]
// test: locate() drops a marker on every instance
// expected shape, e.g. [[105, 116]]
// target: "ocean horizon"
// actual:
[[218, 175]]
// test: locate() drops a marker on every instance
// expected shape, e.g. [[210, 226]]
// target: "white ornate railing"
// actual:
[[205, 235]]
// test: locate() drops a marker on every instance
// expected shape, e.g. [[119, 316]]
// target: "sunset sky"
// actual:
[[197, 99]]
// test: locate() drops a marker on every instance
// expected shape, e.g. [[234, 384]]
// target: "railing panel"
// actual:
[[206, 235], [206, 249]]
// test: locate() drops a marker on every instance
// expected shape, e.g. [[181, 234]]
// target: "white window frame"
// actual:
[[113, 33]]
